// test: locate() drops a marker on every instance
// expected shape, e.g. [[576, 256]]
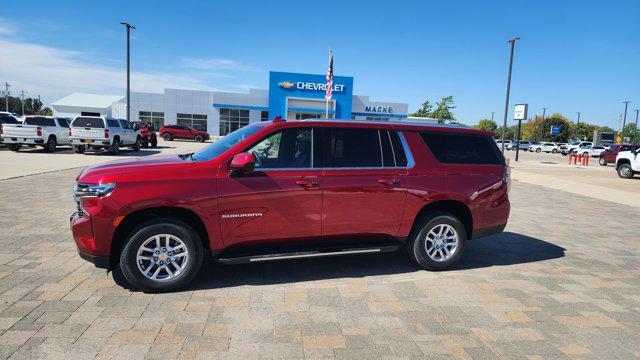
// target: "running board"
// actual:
[[305, 254]]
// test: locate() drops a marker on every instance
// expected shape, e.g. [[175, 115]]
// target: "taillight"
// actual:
[[106, 133], [39, 131], [0, 129], [69, 132]]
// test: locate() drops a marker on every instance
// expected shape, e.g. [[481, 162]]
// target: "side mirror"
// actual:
[[242, 163]]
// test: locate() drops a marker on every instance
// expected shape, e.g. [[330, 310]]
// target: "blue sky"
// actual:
[[574, 56]]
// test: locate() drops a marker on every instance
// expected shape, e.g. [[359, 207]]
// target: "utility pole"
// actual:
[[544, 111], [637, 119], [578, 119], [506, 105], [22, 102], [6, 96], [493, 112], [129, 27], [624, 119]]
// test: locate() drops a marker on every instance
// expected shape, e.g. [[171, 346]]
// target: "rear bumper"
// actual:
[[90, 142], [23, 140]]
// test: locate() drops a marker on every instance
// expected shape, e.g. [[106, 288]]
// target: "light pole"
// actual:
[[506, 105], [624, 119], [22, 101], [637, 119], [493, 112], [129, 27], [578, 122], [544, 111], [6, 96]]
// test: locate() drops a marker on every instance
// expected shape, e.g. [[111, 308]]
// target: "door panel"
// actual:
[[360, 202]]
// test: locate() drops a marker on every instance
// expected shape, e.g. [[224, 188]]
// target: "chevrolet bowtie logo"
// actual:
[[286, 84]]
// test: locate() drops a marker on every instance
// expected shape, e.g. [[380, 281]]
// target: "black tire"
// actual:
[[538, 150], [585, 154], [625, 171], [79, 149], [602, 161], [144, 143], [136, 145], [554, 151], [154, 141], [417, 245], [199, 138], [167, 137], [179, 229], [14, 147], [51, 144], [114, 148]]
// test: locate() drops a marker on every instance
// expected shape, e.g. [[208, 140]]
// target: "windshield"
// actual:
[[225, 143]]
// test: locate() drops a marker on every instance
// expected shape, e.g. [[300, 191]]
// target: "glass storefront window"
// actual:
[[232, 120], [156, 118], [195, 121]]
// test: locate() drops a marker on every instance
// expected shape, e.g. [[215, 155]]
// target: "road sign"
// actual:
[[555, 129], [520, 112], [618, 139]]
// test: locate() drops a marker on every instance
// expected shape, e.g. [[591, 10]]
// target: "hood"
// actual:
[[112, 171]]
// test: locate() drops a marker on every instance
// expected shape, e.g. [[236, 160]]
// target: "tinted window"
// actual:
[[290, 148], [124, 124], [398, 149], [90, 122], [63, 122], [462, 148], [350, 148], [39, 121], [113, 123], [388, 159], [8, 119]]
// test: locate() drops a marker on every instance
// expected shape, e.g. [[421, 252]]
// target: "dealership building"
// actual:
[[289, 95]]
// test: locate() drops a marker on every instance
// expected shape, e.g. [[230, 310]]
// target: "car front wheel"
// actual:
[[625, 171], [199, 138], [161, 255], [602, 161], [167, 137], [51, 144], [438, 241], [14, 147]]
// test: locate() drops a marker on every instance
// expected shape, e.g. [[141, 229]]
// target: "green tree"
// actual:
[[31, 106], [424, 111], [511, 132], [584, 131], [443, 112], [632, 133], [544, 130], [486, 125]]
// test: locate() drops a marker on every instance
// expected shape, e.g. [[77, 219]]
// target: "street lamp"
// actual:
[[129, 27], [624, 120], [506, 105], [544, 111], [578, 122], [637, 119]]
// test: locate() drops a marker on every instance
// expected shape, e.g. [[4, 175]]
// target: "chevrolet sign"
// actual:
[[310, 86]]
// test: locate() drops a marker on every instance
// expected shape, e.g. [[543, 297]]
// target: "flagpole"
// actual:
[[326, 108]]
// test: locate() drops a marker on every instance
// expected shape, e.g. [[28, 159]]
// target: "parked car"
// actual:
[[590, 151], [609, 156], [628, 163], [522, 144], [171, 132], [547, 147], [45, 131], [506, 143], [566, 149], [6, 118], [147, 133], [293, 189], [96, 132]]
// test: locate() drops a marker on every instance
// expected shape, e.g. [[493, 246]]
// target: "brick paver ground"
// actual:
[[562, 282]]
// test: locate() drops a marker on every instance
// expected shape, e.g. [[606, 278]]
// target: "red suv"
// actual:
[[170, 132], [293, 189], [609, 156]]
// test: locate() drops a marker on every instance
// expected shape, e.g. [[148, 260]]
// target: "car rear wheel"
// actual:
[[51, 144], [14, 147], [161, 255], [538, 150], [554, 151], [79, 149], [602, 161], [115, 147], [625, 171], [199, 138], [438, 241], [167, 137], [136, 145]]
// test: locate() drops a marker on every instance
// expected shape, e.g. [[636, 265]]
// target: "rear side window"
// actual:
[[39, 121], [8, 119], [89, 122], [125, 124], [112, 123], [462, 148], [343, 147], [398, 149], [63, 122]]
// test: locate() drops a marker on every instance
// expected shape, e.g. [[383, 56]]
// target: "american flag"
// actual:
[[329, 86]]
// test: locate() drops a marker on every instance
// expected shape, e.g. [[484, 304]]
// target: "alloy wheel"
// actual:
[[162, 257], [441, 242]]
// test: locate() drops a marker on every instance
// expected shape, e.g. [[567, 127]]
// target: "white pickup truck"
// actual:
[[45, 131], [628, 163], [96, 132]]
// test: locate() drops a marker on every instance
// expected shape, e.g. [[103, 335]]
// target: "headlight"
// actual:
[[92, 190]]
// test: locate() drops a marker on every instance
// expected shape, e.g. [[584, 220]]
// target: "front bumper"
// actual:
[[82, 230], [102, 262]]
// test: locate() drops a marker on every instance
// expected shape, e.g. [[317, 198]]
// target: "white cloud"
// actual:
[[217, 64], [54, 73]]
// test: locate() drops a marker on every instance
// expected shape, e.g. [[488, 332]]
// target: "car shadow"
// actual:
[[504, 249]]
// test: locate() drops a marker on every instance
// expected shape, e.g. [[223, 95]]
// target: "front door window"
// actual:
[[290, 148]]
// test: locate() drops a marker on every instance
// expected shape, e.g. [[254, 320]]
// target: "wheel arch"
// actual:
[[454, 207], [135, 218]]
